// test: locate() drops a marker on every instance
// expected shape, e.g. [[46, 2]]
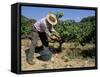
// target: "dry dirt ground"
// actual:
[[59, 60]]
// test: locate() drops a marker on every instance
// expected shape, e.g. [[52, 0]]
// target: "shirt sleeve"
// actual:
[[47, 32], [53, 30]]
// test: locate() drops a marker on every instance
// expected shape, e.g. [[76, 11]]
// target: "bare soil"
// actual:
[[60, 60]]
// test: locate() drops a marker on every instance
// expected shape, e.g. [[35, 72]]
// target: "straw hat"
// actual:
[[51, 18]]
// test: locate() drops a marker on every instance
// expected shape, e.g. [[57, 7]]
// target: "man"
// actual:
[[43, 29]]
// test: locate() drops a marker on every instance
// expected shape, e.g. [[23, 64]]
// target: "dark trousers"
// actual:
[[35, 36]]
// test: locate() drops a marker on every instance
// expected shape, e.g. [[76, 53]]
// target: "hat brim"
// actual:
[[48, 19]]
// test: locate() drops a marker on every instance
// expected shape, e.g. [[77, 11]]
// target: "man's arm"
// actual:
[[55, 32], [47, 32]]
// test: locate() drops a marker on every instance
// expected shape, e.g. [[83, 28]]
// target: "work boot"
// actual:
[[29, 58], [30, 61]]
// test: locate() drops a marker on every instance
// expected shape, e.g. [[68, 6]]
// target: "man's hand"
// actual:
[[55, 37], [58, 38]]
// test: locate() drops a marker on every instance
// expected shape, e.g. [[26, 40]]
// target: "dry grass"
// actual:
[[71, 56]]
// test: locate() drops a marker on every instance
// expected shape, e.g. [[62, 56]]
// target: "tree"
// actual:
[[26, 26]]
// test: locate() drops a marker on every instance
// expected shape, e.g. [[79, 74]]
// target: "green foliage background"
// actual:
[[82, 32], [70, 31], [26, 26]]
